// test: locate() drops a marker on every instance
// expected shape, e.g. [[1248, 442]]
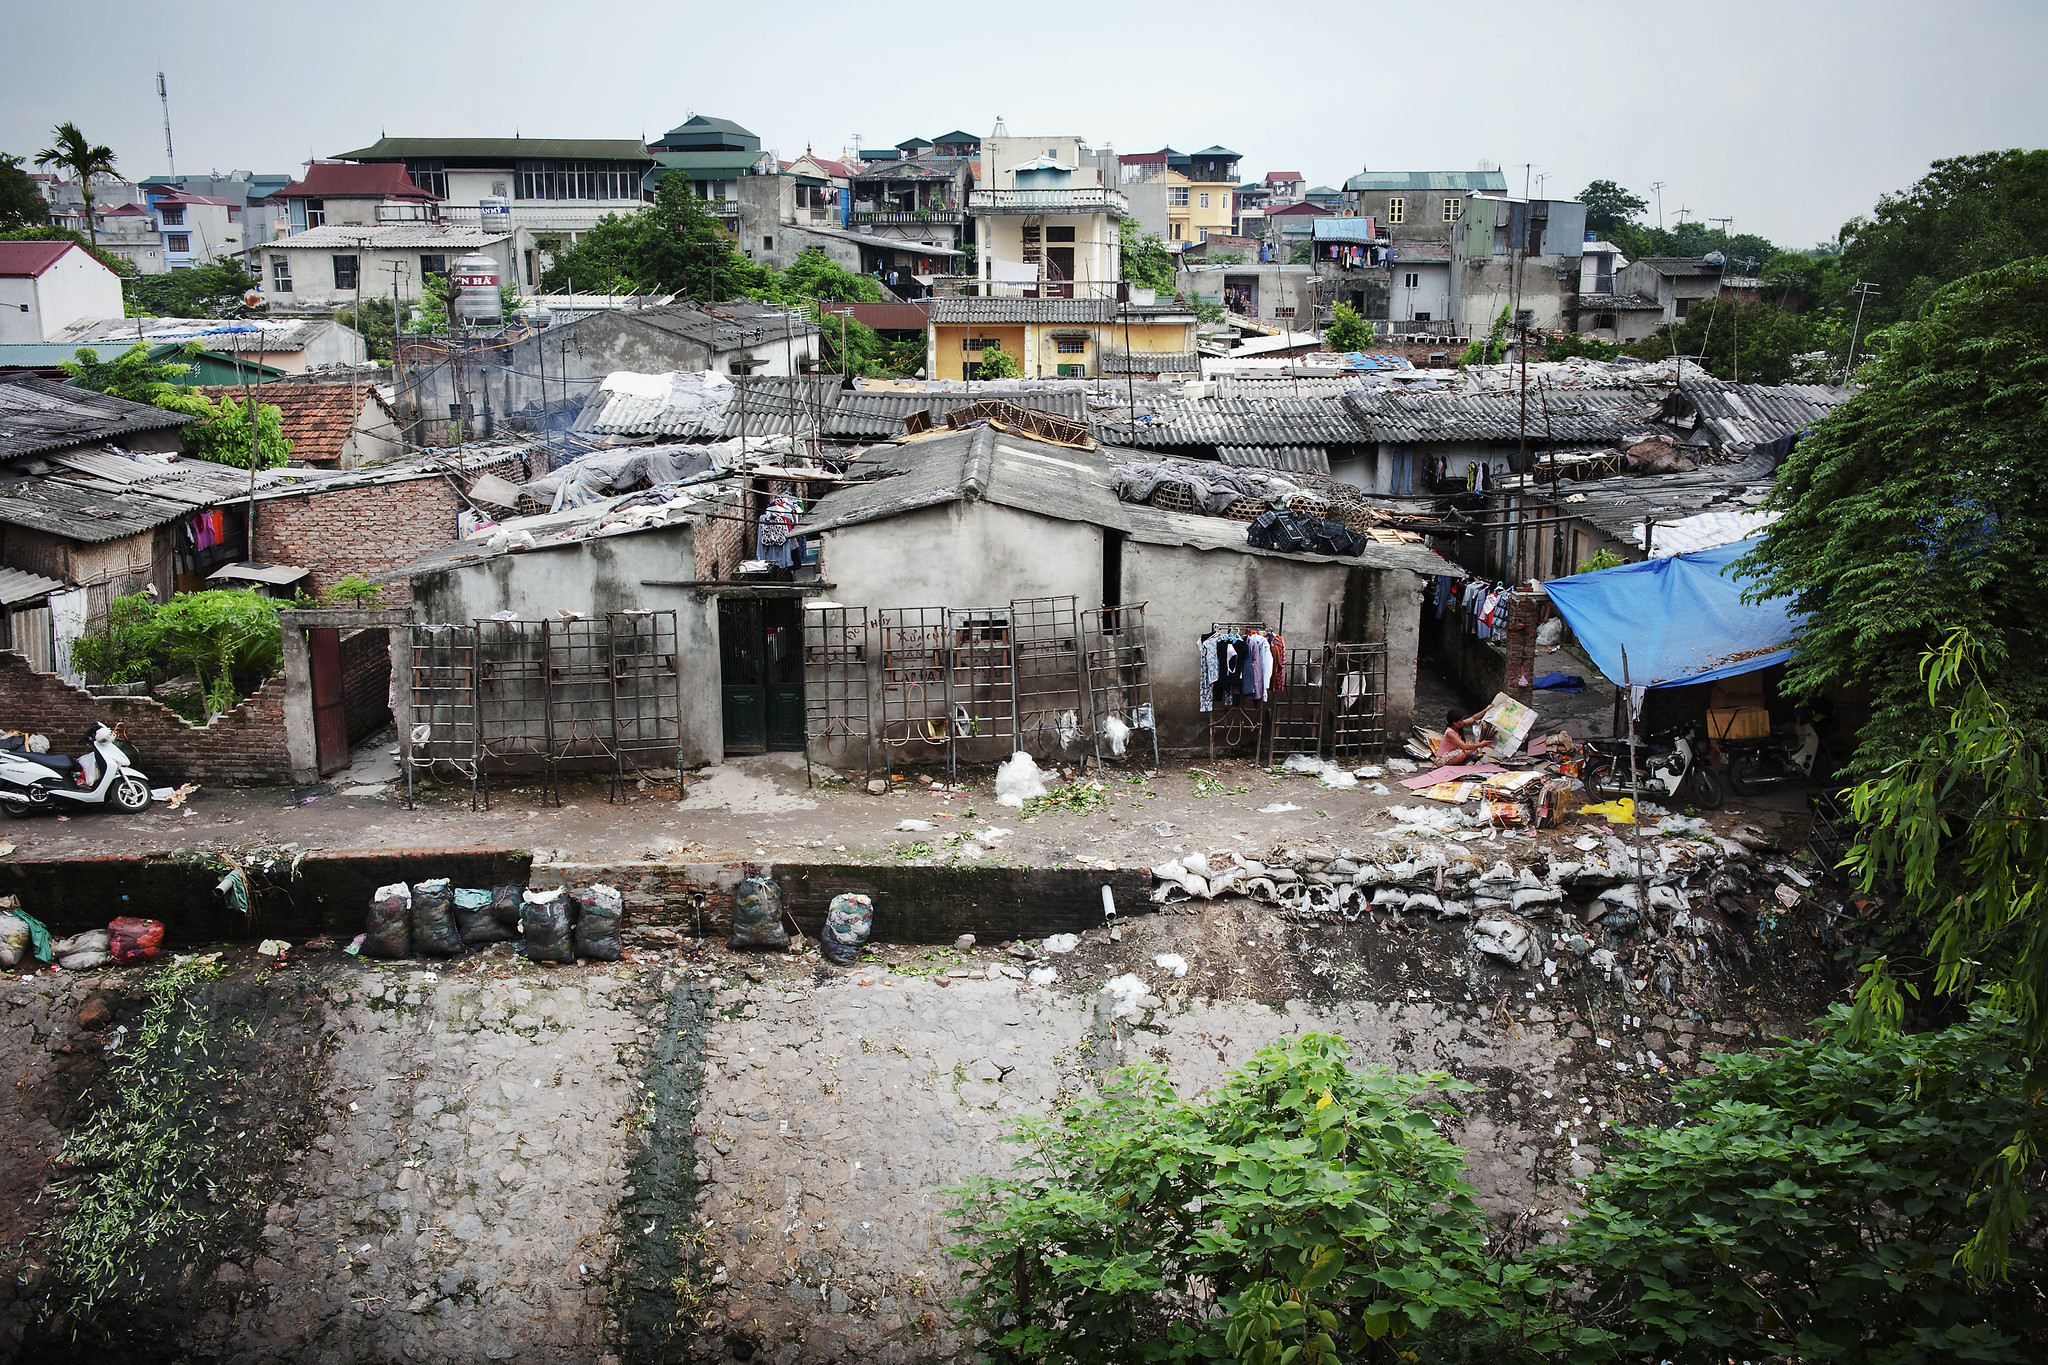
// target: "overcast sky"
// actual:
[[1788, 116]]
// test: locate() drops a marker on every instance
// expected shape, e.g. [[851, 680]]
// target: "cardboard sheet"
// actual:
[[1449, 774]]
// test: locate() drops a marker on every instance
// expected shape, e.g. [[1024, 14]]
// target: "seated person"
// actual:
[[1453, 747]]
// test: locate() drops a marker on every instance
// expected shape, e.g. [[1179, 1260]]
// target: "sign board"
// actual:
[[475, 281]]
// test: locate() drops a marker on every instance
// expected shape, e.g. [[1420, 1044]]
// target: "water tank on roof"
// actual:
[[475, 279], [494, 213]]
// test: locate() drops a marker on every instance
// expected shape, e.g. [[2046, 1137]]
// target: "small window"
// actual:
[[1177, 195], [767, 244], [174, 215], [1072, 345], [980, 343], [1604, 322], [1454, 209], [316, 213], [1424, 317], [1177, 225], [431, 266], [1205, 199], [281, 274], [345, 272], [1683, 306], [1397, 209], [1059, 234], [1412, 279], [178, 241]]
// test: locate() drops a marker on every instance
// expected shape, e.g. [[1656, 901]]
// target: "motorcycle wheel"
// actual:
[[1746, 775], [131, 793], [1705, 788], [21, 810]]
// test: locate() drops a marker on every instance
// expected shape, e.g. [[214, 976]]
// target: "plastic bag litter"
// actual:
[[1061, 943], [1278, 808], [505, 903], [1329, 774], [1069, 729], [597, 922], [91, 941], [135, 940], [1438, 818], [1117, 733], [757, 915], [1018, 780], [14, 940], [848, 922], [389, 932], [1043, 976], [1550, 632], [1171, 962], [476, 918], [1127, 994], [1682, 826], [90, 960], [915, 826], [544, 923], [434, 933], [1620, 811]]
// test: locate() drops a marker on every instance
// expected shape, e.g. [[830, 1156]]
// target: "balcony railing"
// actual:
[[904, 217], [553, 213], [1086, 199]]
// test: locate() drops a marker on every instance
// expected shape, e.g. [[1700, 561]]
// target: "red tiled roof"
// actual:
[[884, 317], [180, 197], [318, 419], [1314, 210], [1281, 177], [354, 180], [26, 260], [126, 211]]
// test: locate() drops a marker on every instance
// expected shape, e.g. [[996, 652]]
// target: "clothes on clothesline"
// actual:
[[208, 529], [777, 520], [1239, 667], [1478, 602]]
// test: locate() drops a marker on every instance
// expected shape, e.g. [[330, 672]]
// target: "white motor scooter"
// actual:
[[103, 776]]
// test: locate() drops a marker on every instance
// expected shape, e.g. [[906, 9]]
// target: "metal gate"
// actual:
[[1358, 700], [440, 722], [1047, 672], [917, 703], [983, 678], [836, 642], [1119, 673]]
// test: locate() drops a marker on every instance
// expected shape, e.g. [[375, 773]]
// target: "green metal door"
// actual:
[[782, 649], [741, 684]]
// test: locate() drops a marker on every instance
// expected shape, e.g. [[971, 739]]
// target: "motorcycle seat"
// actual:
[[1616, 748], [54, 762]]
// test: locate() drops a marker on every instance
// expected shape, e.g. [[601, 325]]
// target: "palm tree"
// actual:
[[76, 153]]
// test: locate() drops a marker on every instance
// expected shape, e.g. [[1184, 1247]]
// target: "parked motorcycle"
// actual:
[[1668, 766], [105, 775], [1776, 758]]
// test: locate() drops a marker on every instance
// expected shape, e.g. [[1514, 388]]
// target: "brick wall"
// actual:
[[721, 542], [358, 530], [366, 681], [242, 746]]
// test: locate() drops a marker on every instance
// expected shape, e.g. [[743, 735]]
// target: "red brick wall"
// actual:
[[366, 681], [721, 541], [358, 530], [244, 746]]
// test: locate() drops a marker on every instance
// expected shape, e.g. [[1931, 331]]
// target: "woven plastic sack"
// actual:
[[544, 920], [757, 915], [848, 922], [599, 910], [389, 932], [135, 940], [434, 931], [476, 918], [14, 940]]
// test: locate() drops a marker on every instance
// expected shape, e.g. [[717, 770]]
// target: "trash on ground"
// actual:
[[1059, 943], [1171, 962], [1620, 811], [757, 915], [133, 940], [915, 826], [1278, 808], [598, 912], [1043, 976], [1018, 780], [1128, 993], [389, 932], [273, 947], [848, 922]]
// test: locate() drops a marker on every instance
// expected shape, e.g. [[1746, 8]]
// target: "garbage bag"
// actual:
[[476, 918], [848, 922], [389, 932], [91, 941], [434, 932], [14, 940], [135, 940], [597, 923], [544, 920], [757, 915], [505, 903], [1018, 780], [85, 961]]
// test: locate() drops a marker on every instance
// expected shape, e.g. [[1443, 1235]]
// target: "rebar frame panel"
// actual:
[[1119, 674], [646, 694], [917, 704], [512, 711], [1358, 725], [580, 689], [836, 644], [1301, 704], [1234, 723], [982, 641], [1049, 686], [441, 705]]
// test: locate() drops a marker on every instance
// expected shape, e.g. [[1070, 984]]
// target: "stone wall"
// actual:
[[242, 746]]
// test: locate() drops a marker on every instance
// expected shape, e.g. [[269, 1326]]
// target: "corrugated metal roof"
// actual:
[[1152, 362], [1396, 181], [38, 415], [1294, 459], [1241, 422], [1570, 415], [19, 585], [215, 334], [83, 511], [867, 415], [958, 309], [769, 408], [1752, 414], [1703, 531], [1334, 229], [505, 149]]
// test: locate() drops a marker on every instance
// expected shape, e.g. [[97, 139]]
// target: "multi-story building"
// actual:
[[195, 228], [1418, 206], [559, 187], [1045, 224], [1182, 196]]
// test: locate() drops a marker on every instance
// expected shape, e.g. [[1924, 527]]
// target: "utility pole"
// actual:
[[1657, 188], [398, 351], [163, 93], [1863, 290]]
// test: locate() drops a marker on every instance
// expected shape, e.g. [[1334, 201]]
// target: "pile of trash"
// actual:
[[1597, 893], [125, 941], [437, 919]]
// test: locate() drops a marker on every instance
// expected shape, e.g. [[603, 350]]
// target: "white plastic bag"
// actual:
[[1018, 780], [1117, 733]]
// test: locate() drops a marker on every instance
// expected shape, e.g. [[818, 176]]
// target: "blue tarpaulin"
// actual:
[[1682, 619]]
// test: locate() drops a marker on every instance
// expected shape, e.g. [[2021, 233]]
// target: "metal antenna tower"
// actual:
[[163, 93]]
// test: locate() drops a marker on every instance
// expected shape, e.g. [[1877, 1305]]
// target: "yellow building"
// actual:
[[1061, 338]]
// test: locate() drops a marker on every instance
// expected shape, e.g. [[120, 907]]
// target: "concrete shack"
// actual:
[[982, 516]]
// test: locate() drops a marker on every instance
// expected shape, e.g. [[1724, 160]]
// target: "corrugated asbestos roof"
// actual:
[[1396, 181], [1751, 414], [1570, 415], [771, 405], [956, 309], [215, 334], [38, 415], [1294, 459], [19, 585], [867, 415], [1152, 362], [400, 237], [98, 495], [1240, 422]]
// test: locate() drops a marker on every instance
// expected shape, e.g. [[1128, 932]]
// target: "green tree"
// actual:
[[222, 433], [1968, 214], [77, 154], [432, 305], [213, 290], [1765, 339], [131, 374], [865, 351], [997, 363], [1489, 349], [220, 635], [1143, 259], [1812, 1203], [374, 322], [1609, 208], [1919, 507], [1348, 330], [816, 277], [1302, 253], [1305, 1212], [673, 247], [20, 204]]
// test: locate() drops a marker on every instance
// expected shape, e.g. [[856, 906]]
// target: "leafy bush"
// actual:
[[1490, 349], [221, 636], [222, 433], [354, 590], [997, 363], [1348, 330]]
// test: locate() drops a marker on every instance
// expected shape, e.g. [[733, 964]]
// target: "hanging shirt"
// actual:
[[1258, 666], [1207, 652]]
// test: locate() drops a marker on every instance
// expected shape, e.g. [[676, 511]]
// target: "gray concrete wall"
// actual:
[[594, 577]]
